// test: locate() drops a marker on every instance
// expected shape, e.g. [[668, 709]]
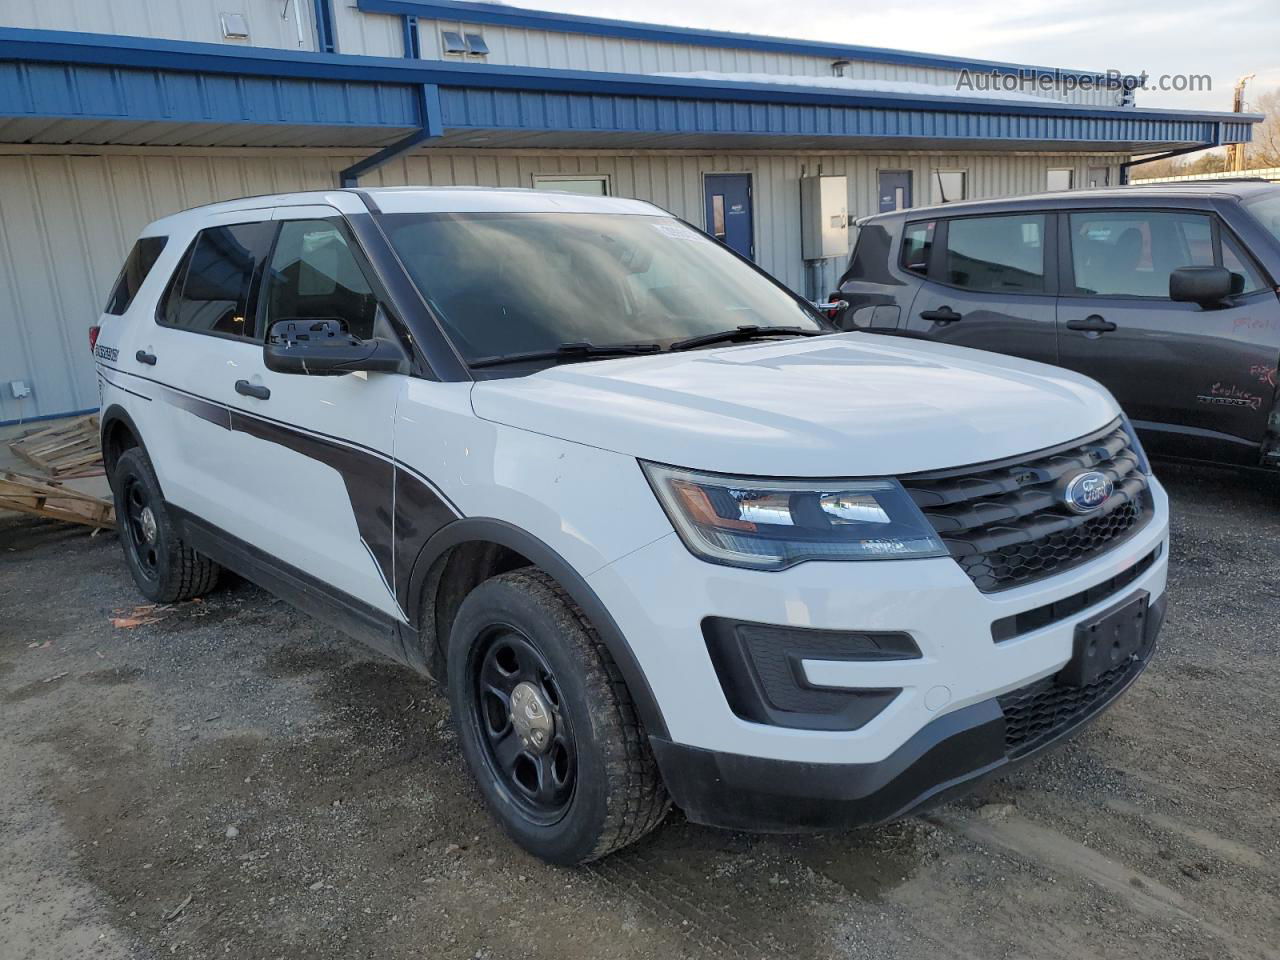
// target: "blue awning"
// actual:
[[59, 87]]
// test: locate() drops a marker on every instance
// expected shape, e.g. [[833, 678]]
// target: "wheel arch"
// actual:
[[507, 536], [118, 433]]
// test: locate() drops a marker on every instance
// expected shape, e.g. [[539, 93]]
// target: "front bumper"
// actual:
[[949, 755]]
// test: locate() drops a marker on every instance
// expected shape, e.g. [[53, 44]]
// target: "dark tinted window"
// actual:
[[1132, 253], [136, 267], [870, 260], [917, 241], [996, 254], [211, 289], [314, 274]]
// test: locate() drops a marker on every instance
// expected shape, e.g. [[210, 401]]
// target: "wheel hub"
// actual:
[[532, 718], [147, 519]]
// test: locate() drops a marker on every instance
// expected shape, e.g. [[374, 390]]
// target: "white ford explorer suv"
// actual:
[[662, 534]]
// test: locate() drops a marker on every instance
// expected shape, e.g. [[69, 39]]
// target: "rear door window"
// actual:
[[136, 267], [996, 254], [212, 289], [917, 243], [1132, 253]]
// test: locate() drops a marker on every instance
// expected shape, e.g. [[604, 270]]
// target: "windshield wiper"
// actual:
[[745, 332], [568, 352]]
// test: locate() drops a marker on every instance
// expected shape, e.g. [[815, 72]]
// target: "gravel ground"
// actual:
[[234, 780]]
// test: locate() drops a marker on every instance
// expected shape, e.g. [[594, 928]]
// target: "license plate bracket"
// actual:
[[1108, 640]]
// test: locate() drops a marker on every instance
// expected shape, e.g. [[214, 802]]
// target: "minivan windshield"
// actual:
[[516, 283], [1266, 210]]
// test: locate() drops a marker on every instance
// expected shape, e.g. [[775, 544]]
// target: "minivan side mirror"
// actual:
[[322, 346], [1207, 286]]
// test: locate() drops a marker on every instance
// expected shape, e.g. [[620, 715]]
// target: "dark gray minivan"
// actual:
[[1166, 294]]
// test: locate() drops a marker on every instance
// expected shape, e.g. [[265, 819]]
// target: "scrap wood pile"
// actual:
[[66, 451]]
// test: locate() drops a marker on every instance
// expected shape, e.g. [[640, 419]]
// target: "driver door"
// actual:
[[321, 445]]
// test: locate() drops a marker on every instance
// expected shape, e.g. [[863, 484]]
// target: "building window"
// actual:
[[476, 47], [950, 185], [452, 43], [592, 185], [234, 26], [1060, 179]]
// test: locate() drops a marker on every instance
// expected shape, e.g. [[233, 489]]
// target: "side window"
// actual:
[[917, 242], [136, 267], [1235, 260], [211, 291], [315, 275], [1132, 253], [996, 254]]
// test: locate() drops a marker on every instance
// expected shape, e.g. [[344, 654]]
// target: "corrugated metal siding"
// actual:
[[66, 222], [517, 46], [171, 19], [366, 34]]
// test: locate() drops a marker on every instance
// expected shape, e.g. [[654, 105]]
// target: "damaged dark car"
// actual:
[[1164, 293]]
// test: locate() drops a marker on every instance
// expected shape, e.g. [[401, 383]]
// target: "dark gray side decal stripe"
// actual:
[[374, 482]]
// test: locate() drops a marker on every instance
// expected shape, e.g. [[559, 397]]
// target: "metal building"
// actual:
[[120, 111]]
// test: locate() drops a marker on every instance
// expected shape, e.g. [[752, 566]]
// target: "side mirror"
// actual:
[[323, 347], [1207, 286]]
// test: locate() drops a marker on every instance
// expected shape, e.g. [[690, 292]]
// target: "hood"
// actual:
[[843, 405]]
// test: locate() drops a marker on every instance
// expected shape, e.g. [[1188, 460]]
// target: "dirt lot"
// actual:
[[236, 781]]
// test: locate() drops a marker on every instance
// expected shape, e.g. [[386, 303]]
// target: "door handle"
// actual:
[[252, 390], [1091, 324], [943, 314], [143, 357]]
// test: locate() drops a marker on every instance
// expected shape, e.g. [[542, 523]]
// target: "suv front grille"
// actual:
[[1046, 709], [1005, 524]]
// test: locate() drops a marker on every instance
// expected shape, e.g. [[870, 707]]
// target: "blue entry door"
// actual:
[[895, 190], [728, 211]]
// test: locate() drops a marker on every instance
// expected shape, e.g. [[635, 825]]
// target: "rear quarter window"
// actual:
[[137, 265], [917, 244]]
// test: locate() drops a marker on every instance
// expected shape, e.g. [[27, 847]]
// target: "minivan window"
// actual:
[[136, 267], [917, 242], [996, 254], [506, 283], [210, 291], [315, 275], [1132, 253]]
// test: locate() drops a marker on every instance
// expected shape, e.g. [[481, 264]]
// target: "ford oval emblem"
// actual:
[[1086, 492]]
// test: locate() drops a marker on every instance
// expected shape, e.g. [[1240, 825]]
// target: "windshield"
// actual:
[[1266, 210], [505, 283]]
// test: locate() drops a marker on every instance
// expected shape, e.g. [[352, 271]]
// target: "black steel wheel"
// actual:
[[138, 525], [546, 723], [164, 568], [528, 739]]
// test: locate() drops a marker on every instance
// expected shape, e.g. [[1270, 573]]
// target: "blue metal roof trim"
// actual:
[[76, 90], [523, 17], [531, 110], [267, 83]]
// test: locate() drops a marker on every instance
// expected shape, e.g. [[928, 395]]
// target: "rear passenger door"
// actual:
[[1199, 382], [988, 283]]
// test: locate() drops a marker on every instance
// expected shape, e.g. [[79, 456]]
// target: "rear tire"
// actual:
[[583, 782], [164, 568]]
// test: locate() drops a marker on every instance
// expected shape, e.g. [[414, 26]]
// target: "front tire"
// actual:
[[546, 723], [164, 568]]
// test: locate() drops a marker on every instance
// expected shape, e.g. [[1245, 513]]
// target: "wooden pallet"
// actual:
[[67, 450], [50, 498]]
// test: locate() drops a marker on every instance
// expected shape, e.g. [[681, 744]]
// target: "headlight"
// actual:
[[774, 524], [1136, 445]]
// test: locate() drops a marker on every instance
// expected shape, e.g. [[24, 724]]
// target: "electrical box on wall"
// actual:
[[824, 217]]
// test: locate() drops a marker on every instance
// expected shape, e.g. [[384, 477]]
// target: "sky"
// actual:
[[1223, 39]]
